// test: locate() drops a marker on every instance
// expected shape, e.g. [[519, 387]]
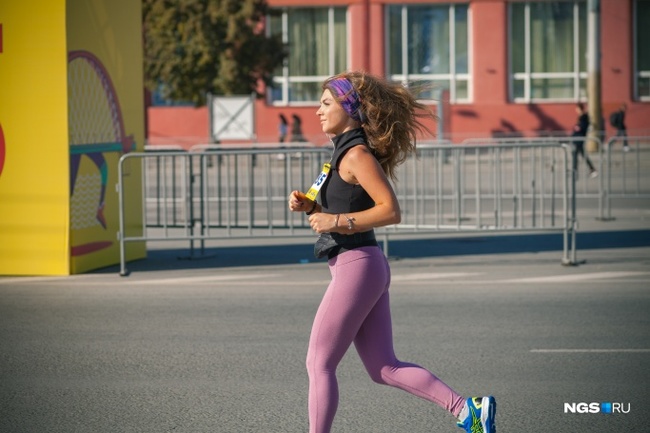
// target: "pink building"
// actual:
[[501, 67]]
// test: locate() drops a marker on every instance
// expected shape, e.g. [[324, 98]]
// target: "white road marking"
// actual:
[[579, 277], [7, 281], [590, 351], [430, 276], [88, 279], [205, 279]]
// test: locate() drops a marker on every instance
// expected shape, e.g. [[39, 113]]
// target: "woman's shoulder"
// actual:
[[358, 154]]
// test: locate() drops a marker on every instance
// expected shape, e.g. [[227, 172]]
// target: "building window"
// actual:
[[642, 50], [548, 51], [317, 45], [430, 44]]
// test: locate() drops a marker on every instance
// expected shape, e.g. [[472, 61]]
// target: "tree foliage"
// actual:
[[192, 47]]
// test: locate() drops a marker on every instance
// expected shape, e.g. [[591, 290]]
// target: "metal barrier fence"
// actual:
[[626, 163], [623, 165], [585, 187], [497, 187], [216, 193]]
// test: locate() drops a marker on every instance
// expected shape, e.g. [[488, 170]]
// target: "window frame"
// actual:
[[528, 76], [285, 81], [452, 77], [637, 74]]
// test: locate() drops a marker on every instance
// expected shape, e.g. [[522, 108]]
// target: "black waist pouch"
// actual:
[[324, 245], [330, 244]]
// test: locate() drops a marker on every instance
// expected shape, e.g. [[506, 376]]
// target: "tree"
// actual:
[[192, 47]]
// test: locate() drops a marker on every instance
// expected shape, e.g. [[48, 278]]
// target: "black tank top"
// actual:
[[338, 196]]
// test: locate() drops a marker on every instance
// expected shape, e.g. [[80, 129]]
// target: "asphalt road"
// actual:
[[205, 348]]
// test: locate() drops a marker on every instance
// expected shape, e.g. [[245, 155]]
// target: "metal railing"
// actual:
[[626, 163], [215, 193], [584, 187], [497, 187]]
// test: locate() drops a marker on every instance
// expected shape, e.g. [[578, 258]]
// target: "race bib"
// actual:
[[318, 183]]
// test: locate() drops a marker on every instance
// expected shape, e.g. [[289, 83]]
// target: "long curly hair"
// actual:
[[392, 117]]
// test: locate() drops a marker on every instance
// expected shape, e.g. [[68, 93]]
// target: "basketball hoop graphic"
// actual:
[[95, 128]]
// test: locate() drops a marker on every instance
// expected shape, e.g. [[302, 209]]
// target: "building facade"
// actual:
[[491, 67]]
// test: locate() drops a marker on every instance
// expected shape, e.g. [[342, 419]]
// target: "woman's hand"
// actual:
[[323, 222], [298, 202]]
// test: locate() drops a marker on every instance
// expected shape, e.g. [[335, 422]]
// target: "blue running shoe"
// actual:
[[480, 419]]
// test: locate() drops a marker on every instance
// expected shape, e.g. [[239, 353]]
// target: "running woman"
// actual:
[[373, 125]]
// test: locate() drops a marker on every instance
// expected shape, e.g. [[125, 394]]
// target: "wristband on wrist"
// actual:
[[313, 208], [336, 220], [350, 222]]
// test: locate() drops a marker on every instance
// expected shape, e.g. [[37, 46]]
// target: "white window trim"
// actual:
[[285, 80], [641, 74], [637, 73], [452, 76], [528, 76]]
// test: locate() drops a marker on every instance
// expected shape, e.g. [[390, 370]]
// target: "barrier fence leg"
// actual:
[[193, 218], [573, 211], [569, 239], [123, 271], [565, 249], [120, 235], [604, 204], [573, 224], [608, 186]]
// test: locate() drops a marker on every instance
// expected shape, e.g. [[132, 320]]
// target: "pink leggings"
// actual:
[[355, 308]]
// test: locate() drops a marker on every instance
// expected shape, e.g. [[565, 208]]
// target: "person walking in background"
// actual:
[[296, 129], [580, 130], [373, 125], [283, 128], [617, 120]]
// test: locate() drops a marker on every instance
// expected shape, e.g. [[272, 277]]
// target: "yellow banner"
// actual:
[[70, 105], [106, 120], [34, 212]]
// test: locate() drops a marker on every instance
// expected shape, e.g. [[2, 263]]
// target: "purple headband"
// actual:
[[347, 97]]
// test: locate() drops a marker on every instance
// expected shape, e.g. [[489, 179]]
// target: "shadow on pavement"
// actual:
[[220, 257]]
